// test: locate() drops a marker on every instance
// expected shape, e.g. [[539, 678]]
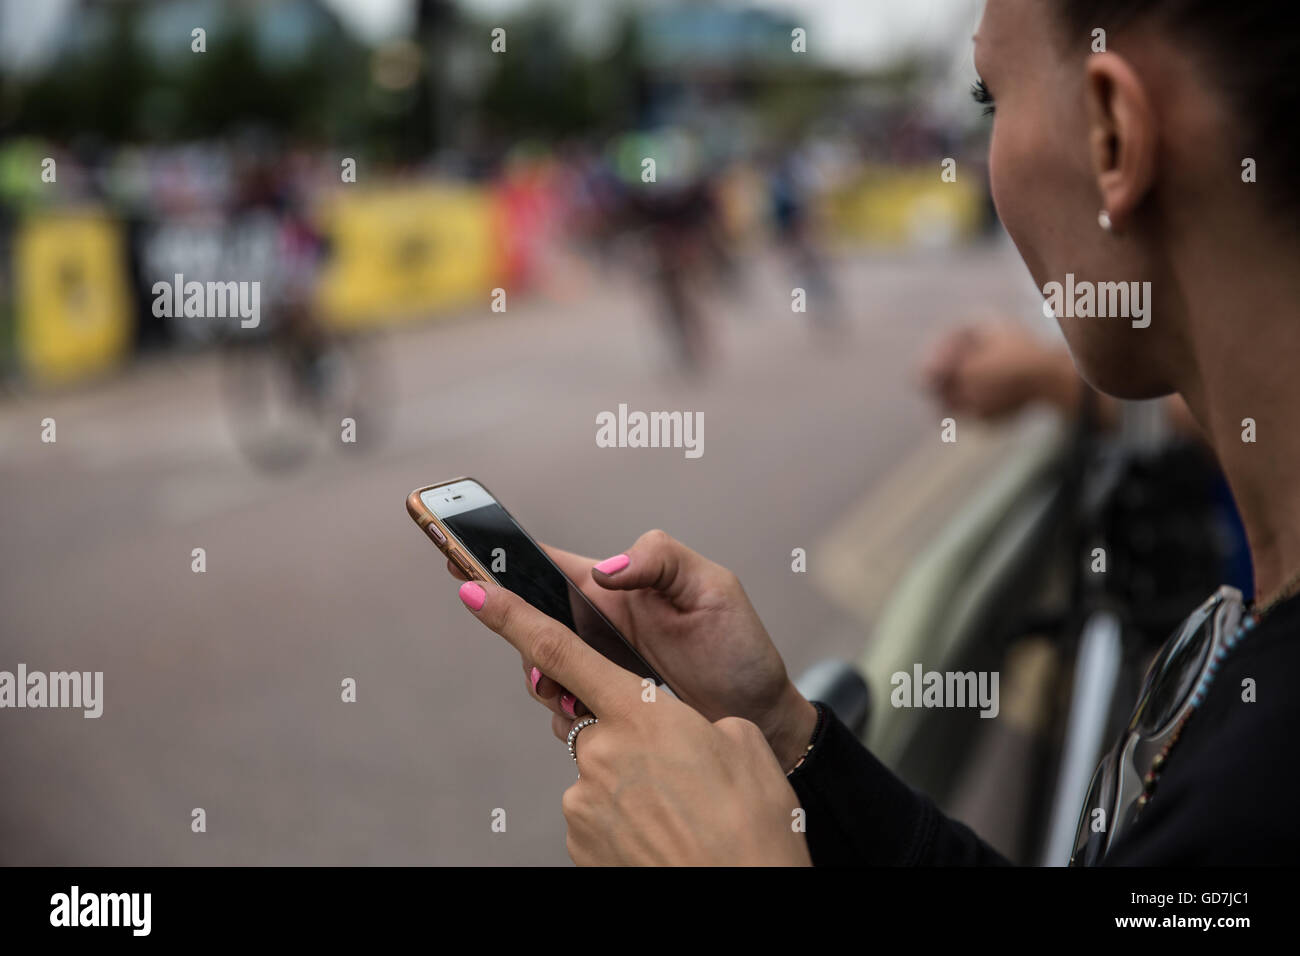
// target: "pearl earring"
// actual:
[[1103, 220]]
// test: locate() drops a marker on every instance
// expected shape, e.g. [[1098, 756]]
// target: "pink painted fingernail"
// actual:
[[614, 565], [473, 595], [569, 704], [534, 676]]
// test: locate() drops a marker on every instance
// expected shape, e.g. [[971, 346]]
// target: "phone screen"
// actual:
[[519, 565]]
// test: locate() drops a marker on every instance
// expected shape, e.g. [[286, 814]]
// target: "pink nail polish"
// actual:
[[614, 565], [473, 595], [569, 704], [534, 676]]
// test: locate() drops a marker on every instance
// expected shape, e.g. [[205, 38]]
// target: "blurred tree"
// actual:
[[109, 84], [545, 87]]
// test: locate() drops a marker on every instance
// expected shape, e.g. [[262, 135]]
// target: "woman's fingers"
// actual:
[[540, 685], [555, 650], [942, 356], [560, 701], [561, 725], [555, 697], [543, 688], [660, 562], [563, 704]]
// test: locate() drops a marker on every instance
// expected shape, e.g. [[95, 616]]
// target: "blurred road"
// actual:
[[222, 689]]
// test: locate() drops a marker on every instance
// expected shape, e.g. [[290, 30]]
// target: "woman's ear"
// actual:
[[1121, 135]]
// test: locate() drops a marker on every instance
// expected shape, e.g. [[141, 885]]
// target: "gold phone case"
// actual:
[[447, 545]]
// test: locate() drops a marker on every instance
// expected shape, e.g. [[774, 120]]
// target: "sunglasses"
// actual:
[[1118, 790]]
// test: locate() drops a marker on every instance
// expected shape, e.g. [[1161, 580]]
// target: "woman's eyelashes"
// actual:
[[980, 94]]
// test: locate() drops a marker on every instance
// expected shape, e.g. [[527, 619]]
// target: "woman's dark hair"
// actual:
[[1251, 51]]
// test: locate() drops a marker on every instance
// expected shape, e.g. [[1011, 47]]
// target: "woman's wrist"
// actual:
[[1059, 382], [789, 726]]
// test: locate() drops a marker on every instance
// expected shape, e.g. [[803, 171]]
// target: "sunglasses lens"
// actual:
[[1094, 821], [1174, 673]]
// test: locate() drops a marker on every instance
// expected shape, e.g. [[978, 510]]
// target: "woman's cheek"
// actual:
[[1017, 181], [1010, 180]]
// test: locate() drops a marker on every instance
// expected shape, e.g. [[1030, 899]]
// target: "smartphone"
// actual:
[[480, 537]]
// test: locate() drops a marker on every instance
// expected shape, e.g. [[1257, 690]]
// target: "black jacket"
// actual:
[[1229, 794]]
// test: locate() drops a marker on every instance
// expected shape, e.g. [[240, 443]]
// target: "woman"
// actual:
[[1113, 166]]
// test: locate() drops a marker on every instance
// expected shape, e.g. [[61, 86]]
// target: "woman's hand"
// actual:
[[692, 621], [659, 783], [992, 370]]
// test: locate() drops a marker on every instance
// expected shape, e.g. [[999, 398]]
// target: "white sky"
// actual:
[[862, 32]]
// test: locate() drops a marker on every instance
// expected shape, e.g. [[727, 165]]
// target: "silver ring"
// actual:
[[573, 735]]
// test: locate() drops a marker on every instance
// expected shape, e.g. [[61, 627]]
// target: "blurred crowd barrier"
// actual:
[[80, 256], [409, 252], [72, 310], [395, 254], [904, 207], [77, 273]]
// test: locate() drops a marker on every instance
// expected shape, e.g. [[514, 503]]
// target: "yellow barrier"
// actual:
[[404, 253], [904, 207], [73, 300]]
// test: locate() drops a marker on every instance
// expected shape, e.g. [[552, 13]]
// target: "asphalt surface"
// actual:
[[222, 689]]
